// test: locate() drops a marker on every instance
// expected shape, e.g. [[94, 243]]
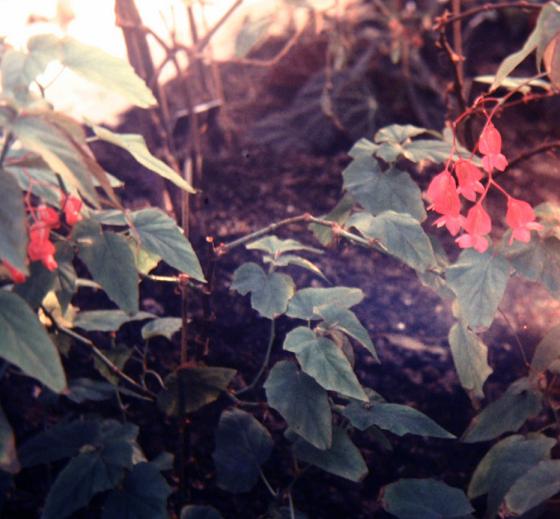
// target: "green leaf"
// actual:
[[119, 356], [201, 386], [145, 261], [323, 360], [396, 418], [85, 389], [470, 356], [513, 60], [359, 412], [37, 285], [347, 322], [479, 281], [60, 441], [546, 353], [339, 214], [160, 235], [15, 84], [503, 464], [253, 29], [110, 262], [8, 455], [398, 133], [292, 259], [65, 274], [107, 320], [538, 260], [242, 446], [306, 301], [143, 495], [85, 476], [342, 459], [430, 149], [43, 49], [68, 439], [434, 279], [539, 484], [13, 230], [400, 235], [37, 178], [55, 145], [25, 343], [270, 292], [507, 413], [136, 146], [363, 147], [100, 466], [425, 499], [113, 74], [302, 403], [163, 326], [275, 246], [200, 512], [378, 191], [548, 24]]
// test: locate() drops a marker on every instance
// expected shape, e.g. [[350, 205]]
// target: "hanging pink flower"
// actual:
[[490, 145], [469, 177], [40, 248], [453, 223], [521, 218], [477, 225], [48, 216], [442, 192], [72, 206], [17, 276]]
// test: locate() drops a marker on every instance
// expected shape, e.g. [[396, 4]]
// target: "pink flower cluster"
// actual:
[[40, 247], [445, 190]]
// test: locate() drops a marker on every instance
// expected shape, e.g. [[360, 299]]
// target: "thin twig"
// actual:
[[306, 218], [122, 24], [99, 354], [183, 287], [447, 18], [517, 340], [278, 56], [205, 40], [458, 41], [247, 403], [266, 361], [545, 146], [8, 140], [291, 505], [454, 59], [267, 484]]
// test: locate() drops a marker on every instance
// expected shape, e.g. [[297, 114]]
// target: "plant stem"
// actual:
[[306, 218], [100, 355], [183, 287], [8, 140], [264, 365], [517, 340], [446, 18], [267, 484], [291, 505], [240, 402], [546, 146]]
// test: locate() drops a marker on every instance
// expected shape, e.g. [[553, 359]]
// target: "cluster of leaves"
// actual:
[[48, 171], [384, 205]]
